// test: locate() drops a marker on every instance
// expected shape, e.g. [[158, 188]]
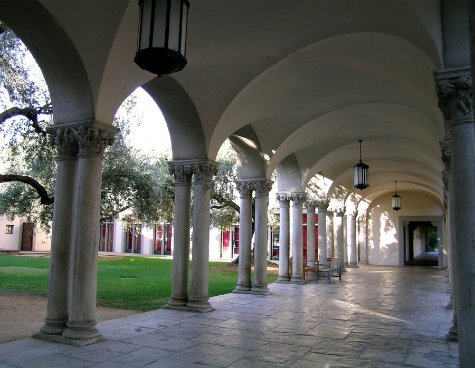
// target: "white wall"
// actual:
[[10, 241], [383, 246]]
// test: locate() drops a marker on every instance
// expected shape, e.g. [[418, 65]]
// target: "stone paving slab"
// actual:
[[384, 317]]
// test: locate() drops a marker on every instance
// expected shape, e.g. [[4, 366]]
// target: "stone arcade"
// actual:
[[294, 85]]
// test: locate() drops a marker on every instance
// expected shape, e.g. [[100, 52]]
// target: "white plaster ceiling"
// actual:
[[311, 77]]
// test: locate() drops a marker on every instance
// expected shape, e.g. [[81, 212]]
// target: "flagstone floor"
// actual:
[[374, 317]]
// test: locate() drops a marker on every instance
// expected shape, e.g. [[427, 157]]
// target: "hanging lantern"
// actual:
[[161, 43], [396, 201], [361, 172]]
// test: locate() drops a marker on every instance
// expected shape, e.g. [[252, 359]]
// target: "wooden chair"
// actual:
[[330, 269]]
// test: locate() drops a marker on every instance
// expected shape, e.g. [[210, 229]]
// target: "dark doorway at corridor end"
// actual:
[[422, 244]]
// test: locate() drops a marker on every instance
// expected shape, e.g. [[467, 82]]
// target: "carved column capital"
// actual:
[[262, 187], [283, 199], [297, 199], [181, 172], [311, 205], [454, 91], [63, 140], [244, 187], [340, 212], [323, 205], [92, 140], [204, 171]]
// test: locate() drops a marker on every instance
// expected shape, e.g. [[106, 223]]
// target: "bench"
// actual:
[[330, 269]]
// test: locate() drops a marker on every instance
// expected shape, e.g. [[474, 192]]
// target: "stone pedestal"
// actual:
[[284, 234]]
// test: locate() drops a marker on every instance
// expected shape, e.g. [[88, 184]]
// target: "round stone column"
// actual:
[[284, 235], [322, 230], [330, 234], [311, 233], [63, 230], [262, 189], [353, 253], [454, 90], [82, 319], [452, 334], [181, 239], [297, 238], [203, 174], [339, 232], [245, 237]]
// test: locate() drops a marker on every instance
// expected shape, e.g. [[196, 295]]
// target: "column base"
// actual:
[[242, 290], [260, 290], [176, 302], [200, 306], [63, 340], [53, 327], [297, 280], [453, 334], [353, 265], [283, 280], [81, 334]]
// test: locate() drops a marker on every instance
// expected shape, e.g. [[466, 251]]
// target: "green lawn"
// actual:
[[135, 283]]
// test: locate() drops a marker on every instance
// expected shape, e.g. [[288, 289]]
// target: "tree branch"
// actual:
[[225, 202], [31, 113], [40, 189]]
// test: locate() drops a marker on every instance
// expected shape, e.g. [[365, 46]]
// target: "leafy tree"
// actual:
[[132, 181]]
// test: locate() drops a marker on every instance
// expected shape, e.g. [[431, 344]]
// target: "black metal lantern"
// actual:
[[161, 43], [396, 201], [361, 174]]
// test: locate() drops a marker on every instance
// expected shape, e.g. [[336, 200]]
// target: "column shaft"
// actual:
[[454, 89], [353, 253], [339, 232], [203, 173], [245, 238], [181, 239], [284, 235], [330, 234], [260, 248], [59, 285], [322, 231], [297, 238], [311, 234], [82, 319]]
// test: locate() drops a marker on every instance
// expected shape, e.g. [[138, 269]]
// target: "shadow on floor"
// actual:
[[425, 259]]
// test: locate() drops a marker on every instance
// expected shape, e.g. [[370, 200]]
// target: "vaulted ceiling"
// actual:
[[310, 77]]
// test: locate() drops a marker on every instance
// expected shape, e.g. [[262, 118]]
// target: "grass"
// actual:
[[135, 283]]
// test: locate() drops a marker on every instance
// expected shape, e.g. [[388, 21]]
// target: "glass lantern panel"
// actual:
[[184, 25], [175, 21], [160, 23], [145, 18]]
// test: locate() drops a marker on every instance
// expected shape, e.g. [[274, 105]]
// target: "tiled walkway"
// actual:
[[375, 317]]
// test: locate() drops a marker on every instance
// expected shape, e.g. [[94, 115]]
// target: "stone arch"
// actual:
[[289, 177], [181, 116], [250, 161], [57, 57]]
